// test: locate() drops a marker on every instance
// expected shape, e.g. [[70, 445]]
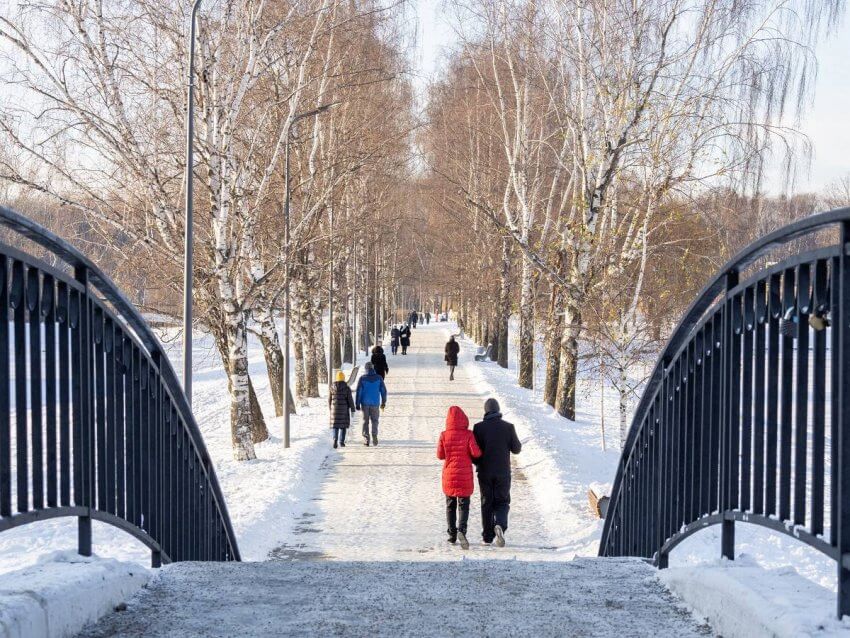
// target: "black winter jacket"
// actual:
[[341, 403], [405, 336], [498, 440], [379, 360], [452, 350]]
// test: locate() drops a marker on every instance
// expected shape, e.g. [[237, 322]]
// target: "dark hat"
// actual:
[[491, 405]]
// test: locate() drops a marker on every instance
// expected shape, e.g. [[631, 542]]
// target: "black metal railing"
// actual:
[[746, 416], [93, 422]]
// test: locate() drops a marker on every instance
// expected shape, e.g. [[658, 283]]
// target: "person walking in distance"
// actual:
[[342, 406], [457, 448], [371, 397], [395, 335], [498, 440], [379, 361], [404, 336], [414, 317], [427, 318], [452, 351]]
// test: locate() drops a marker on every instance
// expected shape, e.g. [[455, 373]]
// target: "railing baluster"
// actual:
[[65, 407], [747, 396], [48, 318], [5, 399], [759, 398], [821, 305], [801, 395], [109, 400], [786, 412], [772, 425], [18, 305], [119, 370], [33, 303]]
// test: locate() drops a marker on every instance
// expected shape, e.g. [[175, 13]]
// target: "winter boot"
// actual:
[[375, 441], [500, 536], [335, 444], [366, 441], [452, 538], [342, 444], [464, 544]]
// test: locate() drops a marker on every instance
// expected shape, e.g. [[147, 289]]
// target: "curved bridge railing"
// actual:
[[93, 421], [746, 416]]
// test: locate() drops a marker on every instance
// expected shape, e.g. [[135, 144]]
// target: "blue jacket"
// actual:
[[371, 390]]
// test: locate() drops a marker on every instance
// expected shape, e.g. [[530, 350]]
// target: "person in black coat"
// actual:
[[404, 335], [413, 318], [452, 351], [498, 440], [379, 361], [395, 335], [341, 403]]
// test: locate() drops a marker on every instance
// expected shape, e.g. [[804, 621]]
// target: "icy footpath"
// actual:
[[63, 592]]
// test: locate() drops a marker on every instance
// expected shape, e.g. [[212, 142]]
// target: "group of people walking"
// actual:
[[488, 447]]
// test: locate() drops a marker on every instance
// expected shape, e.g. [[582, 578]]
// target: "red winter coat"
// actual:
[[457, 447]]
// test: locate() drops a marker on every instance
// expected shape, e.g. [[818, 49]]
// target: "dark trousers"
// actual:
[[404, 349], [339, 434], [394, 348], [495, 503], [457, 505]]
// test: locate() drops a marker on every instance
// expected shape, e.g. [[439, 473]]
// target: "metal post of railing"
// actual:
[[729, 414], [841, 358], [85, 422]]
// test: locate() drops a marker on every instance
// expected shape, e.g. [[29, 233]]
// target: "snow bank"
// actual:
[[63, 592], [560, 459], [740, 599]]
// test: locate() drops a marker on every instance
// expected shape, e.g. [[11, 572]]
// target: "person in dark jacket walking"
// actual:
[[452, 351], [379, 361], [341, 403], [457, 448], [404, 335], [413, 318], [371, 396], [428, 318], [395, 336], [498, 440]]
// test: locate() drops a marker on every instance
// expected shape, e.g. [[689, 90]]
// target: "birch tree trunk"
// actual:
[[554, 328], [504, 311], [565, 402], [526, 327], [273, 355]]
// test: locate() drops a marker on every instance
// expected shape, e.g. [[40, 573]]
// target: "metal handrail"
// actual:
[[112, 438], [728, 422]]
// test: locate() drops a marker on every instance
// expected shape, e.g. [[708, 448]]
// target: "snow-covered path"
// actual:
[[385, 503], [368, 555]]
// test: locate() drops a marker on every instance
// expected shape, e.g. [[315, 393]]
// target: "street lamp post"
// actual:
[[286, 303], [189, 230]]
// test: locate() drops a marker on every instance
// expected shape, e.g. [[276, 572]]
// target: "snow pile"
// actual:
[[63, 592], [740, 599]]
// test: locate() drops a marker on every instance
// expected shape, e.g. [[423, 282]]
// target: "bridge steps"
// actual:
[[583, 597]]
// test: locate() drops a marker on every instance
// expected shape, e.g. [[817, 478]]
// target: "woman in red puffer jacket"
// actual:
[[457, 447]]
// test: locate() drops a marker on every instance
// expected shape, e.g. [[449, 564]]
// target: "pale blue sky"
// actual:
[[826, 123]]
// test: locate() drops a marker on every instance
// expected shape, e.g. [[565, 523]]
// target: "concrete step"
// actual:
[[583, 597]]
